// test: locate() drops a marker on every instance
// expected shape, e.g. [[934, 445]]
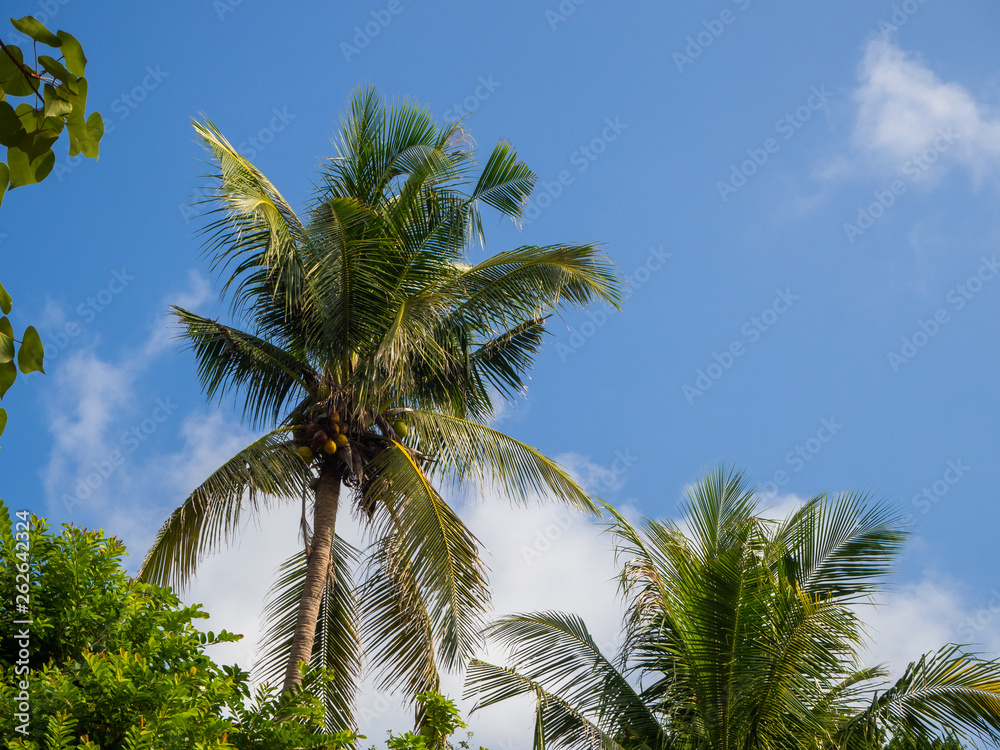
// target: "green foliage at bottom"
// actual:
[[99, 661], [440, 719]]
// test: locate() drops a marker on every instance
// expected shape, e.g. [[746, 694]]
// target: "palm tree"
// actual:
[[740, 632], [373, 349]]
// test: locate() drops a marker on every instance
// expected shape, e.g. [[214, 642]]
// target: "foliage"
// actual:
[[56, 94], [441, 720], [114, 663], [365, 314], [742, 632], [29, 354], [55, 91], [911, 741]]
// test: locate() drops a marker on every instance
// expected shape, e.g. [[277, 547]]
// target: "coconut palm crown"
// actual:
[[741, 633], [373, 347]]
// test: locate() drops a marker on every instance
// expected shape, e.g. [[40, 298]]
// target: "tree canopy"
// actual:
[[741, 633]]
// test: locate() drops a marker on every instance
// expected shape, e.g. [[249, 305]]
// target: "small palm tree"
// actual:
[[740, 633], [373, 349]]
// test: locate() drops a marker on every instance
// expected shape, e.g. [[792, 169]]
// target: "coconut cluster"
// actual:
[[328, 434], [325, 435]]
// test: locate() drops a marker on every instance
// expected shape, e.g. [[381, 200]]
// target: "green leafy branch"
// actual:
[[57, 98], [29, 352]]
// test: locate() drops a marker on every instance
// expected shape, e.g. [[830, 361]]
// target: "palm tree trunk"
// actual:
[[318, 571]]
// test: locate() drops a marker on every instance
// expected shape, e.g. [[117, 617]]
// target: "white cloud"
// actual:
[[920, 617], [197, 293], [163, 480], [99, 424], [90, 396], [904, 108]]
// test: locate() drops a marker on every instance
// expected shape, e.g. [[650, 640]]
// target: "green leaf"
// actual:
[[53, 126], [32, 160], [11, 127], [8, 374], [4, 180], [3, 420], [31, 353], [12, 74], [55, 68], [72, 53], [84, 137], [95, 131], [6, 341], [6, 301], [36, 30], [55, 105], [28, 116]]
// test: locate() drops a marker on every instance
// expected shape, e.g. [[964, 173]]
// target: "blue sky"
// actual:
[[802, 196]]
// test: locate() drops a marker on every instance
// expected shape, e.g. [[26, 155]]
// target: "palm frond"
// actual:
[[229, 359], [842, 546], [503, 360], [399, 632], [558, 724], [557, 650], [505, 183], [719, 510], [263, 473], [434, 547], [257, 231], [465, 451], [337, 645], [947, 690], [513, 286]]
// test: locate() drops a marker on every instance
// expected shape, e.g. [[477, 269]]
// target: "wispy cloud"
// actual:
[[197, 293], [904, 108], [923, 616], [101, 420]]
